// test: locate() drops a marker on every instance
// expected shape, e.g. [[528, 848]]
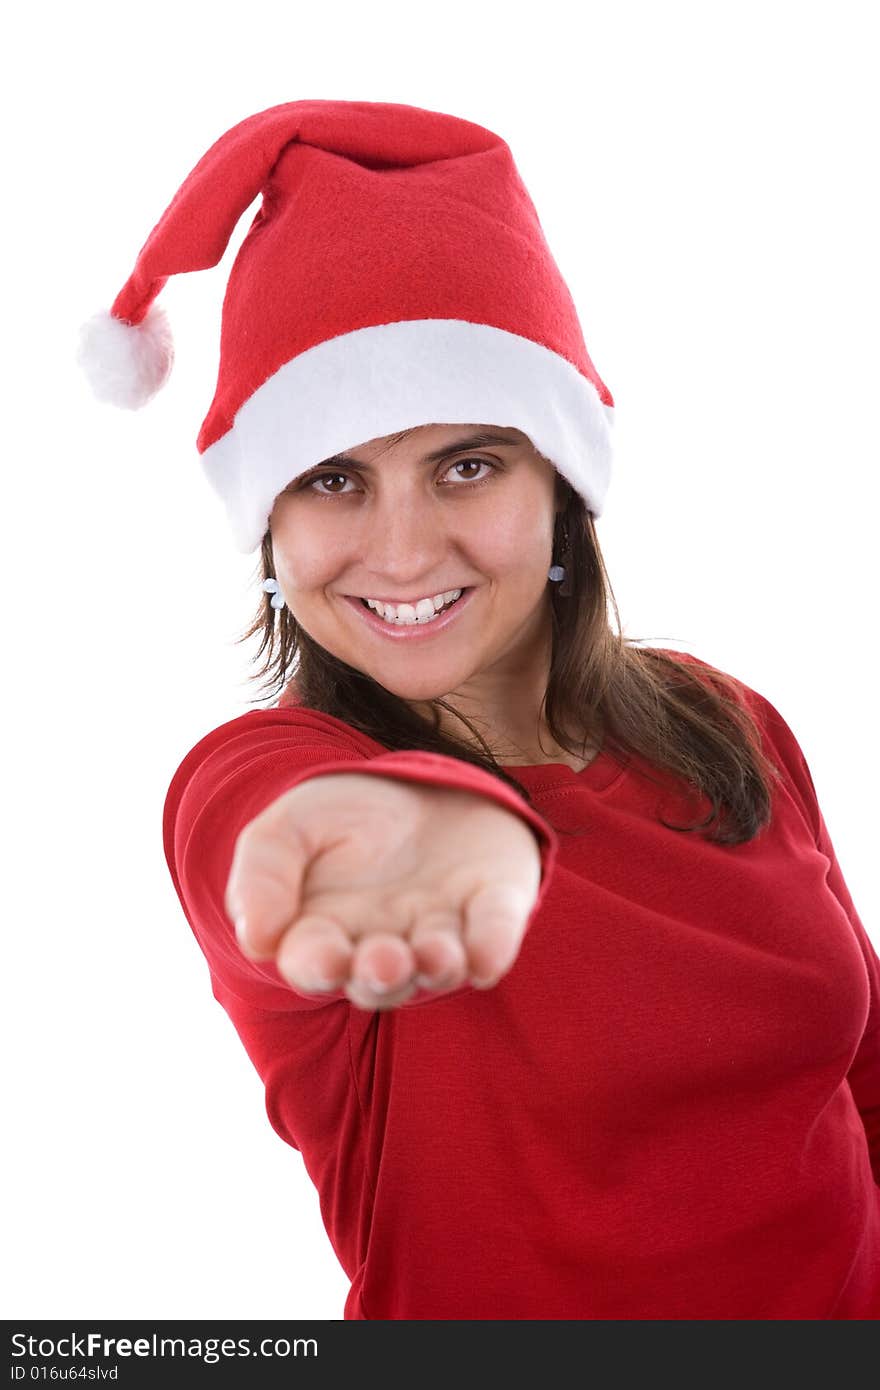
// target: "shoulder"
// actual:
[[291, 732], [721, 679], [778, 739]]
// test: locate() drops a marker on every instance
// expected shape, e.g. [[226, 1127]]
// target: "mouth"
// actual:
[[412, 630]]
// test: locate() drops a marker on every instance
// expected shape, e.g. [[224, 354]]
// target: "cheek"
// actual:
[[306, 563], [517, 543]]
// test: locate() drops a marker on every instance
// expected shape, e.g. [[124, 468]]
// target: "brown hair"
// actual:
[[687, 719]]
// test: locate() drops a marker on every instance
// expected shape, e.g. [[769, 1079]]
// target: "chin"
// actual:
[[413, 691]]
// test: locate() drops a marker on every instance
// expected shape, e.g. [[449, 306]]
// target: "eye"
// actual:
[[467, 463], [311, 484], [323, 478]]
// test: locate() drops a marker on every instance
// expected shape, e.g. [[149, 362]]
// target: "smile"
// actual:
[[412, 630]]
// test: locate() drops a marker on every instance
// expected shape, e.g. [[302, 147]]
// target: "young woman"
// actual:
[[536, 938]]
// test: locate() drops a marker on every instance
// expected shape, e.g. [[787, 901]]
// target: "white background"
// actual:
[[706, 178]]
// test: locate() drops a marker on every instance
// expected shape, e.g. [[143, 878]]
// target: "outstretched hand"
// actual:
[[378, 887]]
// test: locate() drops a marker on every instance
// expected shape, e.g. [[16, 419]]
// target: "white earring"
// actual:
[[556, 573], [270, 586]]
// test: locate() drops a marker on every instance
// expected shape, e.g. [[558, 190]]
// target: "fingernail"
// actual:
[[433, 982], [241, 930], [320, 981], [375, 984]]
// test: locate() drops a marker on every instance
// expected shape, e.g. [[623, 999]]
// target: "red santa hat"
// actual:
[[395, 275]]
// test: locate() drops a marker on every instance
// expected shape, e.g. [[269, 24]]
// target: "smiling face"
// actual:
[[397, 522]]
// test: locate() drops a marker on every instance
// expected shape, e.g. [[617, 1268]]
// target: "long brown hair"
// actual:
[[683, 718]]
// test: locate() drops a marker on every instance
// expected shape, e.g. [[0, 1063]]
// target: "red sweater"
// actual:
[[669, 1108]]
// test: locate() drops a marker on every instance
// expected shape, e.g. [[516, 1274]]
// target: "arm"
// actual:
[[231, 776], [864, 1071]]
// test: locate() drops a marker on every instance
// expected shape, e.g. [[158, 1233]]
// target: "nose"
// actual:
[[405, 541]]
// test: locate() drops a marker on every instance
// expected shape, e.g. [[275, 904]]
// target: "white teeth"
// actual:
[[406, 614]]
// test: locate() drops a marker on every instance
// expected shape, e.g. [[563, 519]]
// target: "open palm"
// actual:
[[379, 886]]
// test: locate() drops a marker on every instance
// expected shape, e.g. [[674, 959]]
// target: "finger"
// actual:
[[441, 961], [494, 921], [367, 999], [315, 954], [382, 964], [264, 887]]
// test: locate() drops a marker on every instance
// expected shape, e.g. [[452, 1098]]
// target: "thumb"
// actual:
[[264, 887]]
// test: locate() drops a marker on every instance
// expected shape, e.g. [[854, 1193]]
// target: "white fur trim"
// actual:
[[394, 376], [125, 363]]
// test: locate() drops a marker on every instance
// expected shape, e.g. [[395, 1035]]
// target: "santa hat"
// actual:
[[395, 275]]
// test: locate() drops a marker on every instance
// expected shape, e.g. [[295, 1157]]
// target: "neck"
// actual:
[[504, 704]]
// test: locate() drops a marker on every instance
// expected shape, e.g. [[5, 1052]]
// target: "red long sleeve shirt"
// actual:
[[669, 1108]]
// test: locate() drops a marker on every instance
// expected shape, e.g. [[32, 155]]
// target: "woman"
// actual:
[[542, 950]]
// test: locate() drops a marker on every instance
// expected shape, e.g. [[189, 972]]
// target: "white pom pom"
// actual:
[[126, 364]]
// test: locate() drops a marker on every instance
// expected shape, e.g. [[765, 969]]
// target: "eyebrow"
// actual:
[[471, 441]]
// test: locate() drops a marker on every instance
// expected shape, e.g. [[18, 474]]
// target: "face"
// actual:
[[405, 519]]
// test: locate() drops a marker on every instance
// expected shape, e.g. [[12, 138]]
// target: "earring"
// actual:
[[558, 573], [270, 586]]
